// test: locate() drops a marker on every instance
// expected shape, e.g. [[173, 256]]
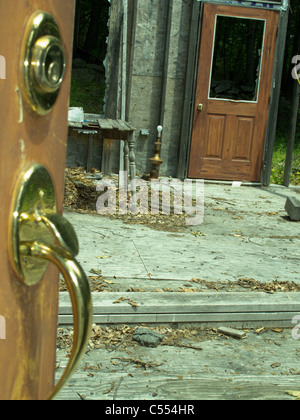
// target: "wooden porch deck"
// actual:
[[210, 366]]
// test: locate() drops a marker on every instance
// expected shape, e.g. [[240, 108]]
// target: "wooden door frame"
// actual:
[[27, 369], [191, 80]]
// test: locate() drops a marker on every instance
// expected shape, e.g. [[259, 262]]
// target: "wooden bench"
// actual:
[[110, 130]]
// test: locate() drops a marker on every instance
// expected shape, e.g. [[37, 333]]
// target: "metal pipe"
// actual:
[[166, 61], [124, 76]]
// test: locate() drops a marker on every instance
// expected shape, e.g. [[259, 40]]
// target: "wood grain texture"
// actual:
[[28, 353], [197, 307]]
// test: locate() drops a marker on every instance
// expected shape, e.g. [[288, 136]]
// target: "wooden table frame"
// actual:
[[110, 130]]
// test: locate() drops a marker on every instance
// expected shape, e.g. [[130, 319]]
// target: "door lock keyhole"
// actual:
[[48, 64], [53, 73], [43, 63]]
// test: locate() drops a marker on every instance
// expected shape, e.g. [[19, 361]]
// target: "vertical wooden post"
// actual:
[[190, 87], [126, 156], [90, 152], [275, 95], [291, 137], [106, 157], [132, 168], [294, 118]]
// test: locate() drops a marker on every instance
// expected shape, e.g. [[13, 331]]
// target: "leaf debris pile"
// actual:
[[100, 284], [112, 337], [80, 195]]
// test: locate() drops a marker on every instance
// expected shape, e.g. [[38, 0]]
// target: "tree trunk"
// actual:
[[92, 39]]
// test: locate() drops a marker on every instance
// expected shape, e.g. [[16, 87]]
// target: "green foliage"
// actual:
[[279, 155], [90, 35], [89, 95], [92, 28], [277, 172]]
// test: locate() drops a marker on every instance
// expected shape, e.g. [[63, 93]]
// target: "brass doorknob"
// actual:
[[43, 63], [39, 236], [200, 107]]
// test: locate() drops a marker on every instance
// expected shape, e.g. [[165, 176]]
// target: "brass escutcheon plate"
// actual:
[[42, 32], [35, 197]]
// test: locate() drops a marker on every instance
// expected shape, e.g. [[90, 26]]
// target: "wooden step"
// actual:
[[246, 308]]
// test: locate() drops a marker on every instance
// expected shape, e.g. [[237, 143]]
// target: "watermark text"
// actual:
[[2, 68], [159, 196], [2, 328], [296, 68], [296, 329]]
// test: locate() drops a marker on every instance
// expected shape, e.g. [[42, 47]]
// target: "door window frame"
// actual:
[[212, 62]]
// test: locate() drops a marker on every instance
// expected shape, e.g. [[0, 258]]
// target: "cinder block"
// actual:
[[292, 207]]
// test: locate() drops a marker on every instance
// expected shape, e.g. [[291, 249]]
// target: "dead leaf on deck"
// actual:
[[278, 330], [193, 280], [294, 394], [275, 365], [259, 330], [119, 300], [110, 388], [131, 302], [186, 290]]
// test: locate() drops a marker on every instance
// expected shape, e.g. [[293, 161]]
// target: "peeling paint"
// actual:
[[20, 105]]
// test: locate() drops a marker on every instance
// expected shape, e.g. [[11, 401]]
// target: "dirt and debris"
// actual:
[[147, 337], [131, 302], [112, 337], [124, 336], [232, 332], [239, 228], [189, 363], [270, 287], [80, 192], [100, 284], [295, 394], [81, 196]]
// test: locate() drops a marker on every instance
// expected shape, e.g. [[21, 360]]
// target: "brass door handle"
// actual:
[[200, 107], [40, 236], [80, 296]]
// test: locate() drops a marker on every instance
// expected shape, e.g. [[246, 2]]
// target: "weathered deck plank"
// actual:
[[169, 307], [141, 386], [263, 365]]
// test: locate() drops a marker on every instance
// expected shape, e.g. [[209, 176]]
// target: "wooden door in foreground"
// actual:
[[28, 315]]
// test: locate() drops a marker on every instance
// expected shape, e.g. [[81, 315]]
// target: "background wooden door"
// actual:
[[229, 132], [27, 354]]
